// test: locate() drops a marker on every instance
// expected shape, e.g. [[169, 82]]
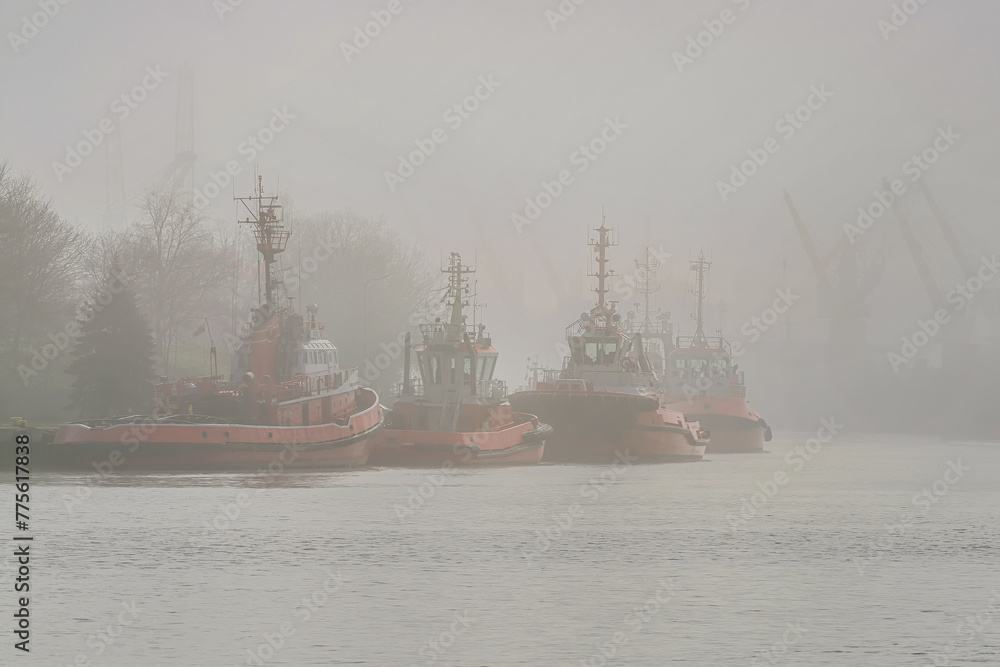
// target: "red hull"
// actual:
[[517, 444], [734, 428], [597, 427], [655, 445], [661, 445], [148, 446]]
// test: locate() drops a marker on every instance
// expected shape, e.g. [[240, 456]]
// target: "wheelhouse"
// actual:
[[450, 368], [703, 367]]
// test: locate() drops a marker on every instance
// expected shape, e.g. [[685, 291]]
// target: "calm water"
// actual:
[[334, 562]]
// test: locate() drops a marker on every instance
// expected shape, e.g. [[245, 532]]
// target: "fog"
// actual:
[[231, 453], [684, 116]]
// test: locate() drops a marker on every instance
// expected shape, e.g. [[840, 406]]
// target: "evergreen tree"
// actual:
[[113, 357]]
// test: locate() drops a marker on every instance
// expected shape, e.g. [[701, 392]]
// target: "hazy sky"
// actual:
[[608, 64]]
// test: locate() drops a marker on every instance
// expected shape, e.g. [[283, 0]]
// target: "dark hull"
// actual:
[[601, 427]]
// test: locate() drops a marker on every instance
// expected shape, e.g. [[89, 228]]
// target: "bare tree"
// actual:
[[40, 261], [180, 269], [367, 280]]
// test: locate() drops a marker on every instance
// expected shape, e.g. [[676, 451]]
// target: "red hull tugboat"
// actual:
[[604, 403], [296, 406], [703, 382], [457, 414]]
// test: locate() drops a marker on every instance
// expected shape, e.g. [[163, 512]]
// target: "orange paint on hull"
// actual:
[[152, 447], [734, 428], [653, 446], [517, 444], [595, 427], [727, 437]]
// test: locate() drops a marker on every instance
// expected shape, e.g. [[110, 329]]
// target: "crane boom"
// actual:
[[947, 231], [933, 292]]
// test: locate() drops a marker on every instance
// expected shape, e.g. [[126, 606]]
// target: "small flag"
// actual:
[[200, 331]]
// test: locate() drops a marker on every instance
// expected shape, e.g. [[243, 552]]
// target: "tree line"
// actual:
[[191, 279]]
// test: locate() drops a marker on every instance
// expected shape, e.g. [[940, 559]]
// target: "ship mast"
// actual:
[[265, 215], [457, 287], [700, 266], [648, 268], [603, 273]]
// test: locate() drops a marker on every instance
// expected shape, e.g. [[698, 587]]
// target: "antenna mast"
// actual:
[[265, 216], [648, 267], [457, 289], [601, 246], [700, 266]]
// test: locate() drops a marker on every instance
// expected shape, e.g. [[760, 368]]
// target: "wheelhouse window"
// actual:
[[600, 353], [430, 368], [489, 363], [720, 368]]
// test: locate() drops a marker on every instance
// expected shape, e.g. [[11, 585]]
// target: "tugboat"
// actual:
[[702, 382], [457, 414], [604, 403], [289, 403]]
